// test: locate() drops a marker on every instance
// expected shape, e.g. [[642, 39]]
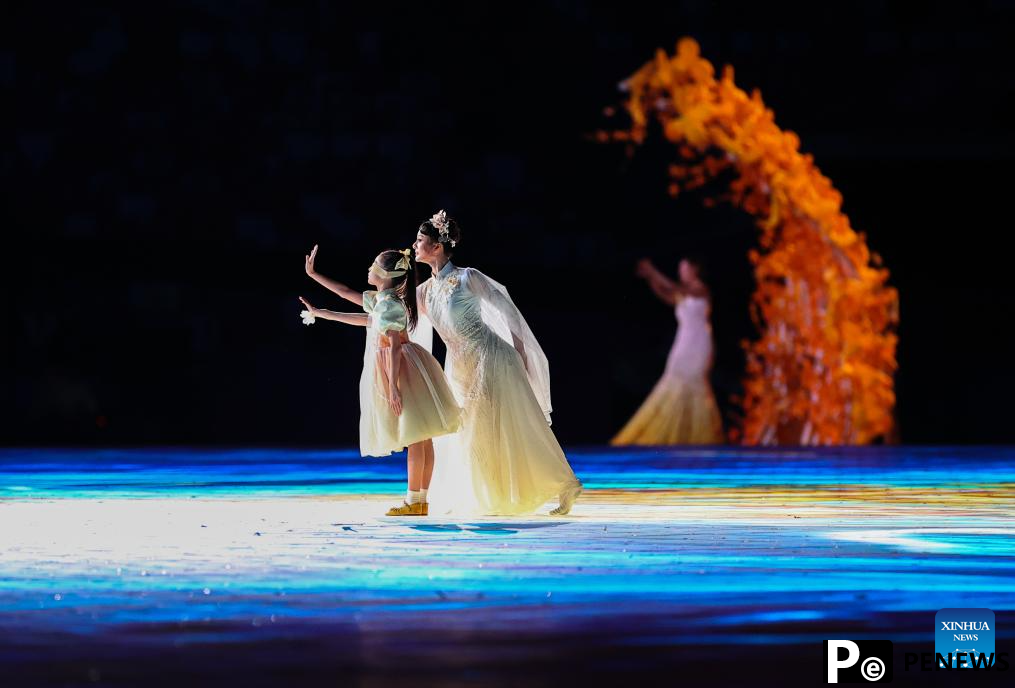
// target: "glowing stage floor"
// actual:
[[273, 567]]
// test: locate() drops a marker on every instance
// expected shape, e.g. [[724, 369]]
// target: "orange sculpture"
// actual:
[[821, 371]]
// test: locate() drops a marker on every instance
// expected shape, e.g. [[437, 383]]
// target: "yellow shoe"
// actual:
[[426, 509], [406, 510]]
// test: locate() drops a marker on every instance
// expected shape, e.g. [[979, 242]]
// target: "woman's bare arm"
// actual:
[[667, 290]]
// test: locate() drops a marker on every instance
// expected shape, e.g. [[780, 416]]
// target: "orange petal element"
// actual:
[[821, 369]]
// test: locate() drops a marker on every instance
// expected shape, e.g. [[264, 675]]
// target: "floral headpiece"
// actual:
[[440, 223]]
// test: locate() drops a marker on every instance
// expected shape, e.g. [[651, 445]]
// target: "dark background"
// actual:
[[167, 166]]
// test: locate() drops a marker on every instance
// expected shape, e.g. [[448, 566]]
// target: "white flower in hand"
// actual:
[[307, 315]]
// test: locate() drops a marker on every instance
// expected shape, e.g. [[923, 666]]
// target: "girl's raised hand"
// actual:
[[310, 261]]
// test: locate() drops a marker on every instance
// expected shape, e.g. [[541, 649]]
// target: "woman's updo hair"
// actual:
[[454, 234]]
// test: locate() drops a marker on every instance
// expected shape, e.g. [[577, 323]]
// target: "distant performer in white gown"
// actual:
[[681, 408], [505, 460]]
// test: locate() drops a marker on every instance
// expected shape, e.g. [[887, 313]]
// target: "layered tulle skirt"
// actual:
[[429, 408]]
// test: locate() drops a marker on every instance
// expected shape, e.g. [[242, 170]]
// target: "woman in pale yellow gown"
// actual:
[[505, 460], [681, 408]]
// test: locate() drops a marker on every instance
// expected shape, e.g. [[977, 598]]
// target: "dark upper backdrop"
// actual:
[[165, 170]]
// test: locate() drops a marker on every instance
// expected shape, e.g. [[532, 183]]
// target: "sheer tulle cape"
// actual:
[[503, 317]]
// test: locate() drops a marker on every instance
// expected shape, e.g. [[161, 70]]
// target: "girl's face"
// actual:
[[427, 250], [375, 280]]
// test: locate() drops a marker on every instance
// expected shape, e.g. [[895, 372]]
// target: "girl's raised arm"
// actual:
[[330, 284]]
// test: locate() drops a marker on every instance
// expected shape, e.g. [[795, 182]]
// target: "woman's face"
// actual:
[[426, 248], [687, 271]]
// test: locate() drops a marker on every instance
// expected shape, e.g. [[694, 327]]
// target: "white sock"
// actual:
[[412, 497], [422, 495]]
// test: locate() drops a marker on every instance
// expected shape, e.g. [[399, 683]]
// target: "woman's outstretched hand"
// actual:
[[643, 268], [310, 261]]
